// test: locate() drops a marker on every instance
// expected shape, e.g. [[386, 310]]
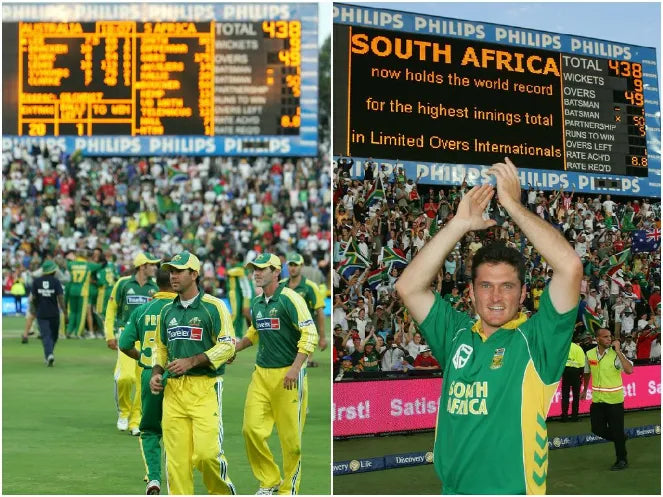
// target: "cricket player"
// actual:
[[311, 294], [194, 340], [107, 276], [78, 292], [142, 328], [240, 293], [278, 394], [501, 372], [128, 293]]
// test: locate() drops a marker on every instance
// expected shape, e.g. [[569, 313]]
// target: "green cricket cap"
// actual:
[[295, 258], [183, 260], [48, 267], [265, 260], [143, 258]]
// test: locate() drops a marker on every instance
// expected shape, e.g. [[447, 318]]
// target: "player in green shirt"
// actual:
[[278, 394], [78, 292], [311, 294], [128, 293], [500, 373], [194, 340], [240, 293], [141, 328]]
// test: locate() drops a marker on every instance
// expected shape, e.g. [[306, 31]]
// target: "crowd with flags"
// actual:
[[384, 218], [219, 208]]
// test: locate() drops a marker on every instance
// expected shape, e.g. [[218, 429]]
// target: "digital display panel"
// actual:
[[235, 74], [428, 98], [445, 98]]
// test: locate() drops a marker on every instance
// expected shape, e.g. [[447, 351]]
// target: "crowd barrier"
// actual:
[[374, 407], [394, 461]]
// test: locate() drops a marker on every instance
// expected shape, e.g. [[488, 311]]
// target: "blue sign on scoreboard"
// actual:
[[445, 98], [162, 79]]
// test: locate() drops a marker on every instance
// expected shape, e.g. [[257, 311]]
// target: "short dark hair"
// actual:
[[163, 278], [497, 252]]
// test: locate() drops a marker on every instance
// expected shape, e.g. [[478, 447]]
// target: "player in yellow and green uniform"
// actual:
[[128, 293], [500, 373], [194, 340], [142, 328], [107, 276], [278, 394], [78, 292], [240, 292], [311, 294]]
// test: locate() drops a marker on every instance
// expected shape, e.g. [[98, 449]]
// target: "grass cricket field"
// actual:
[[578, 471], [58, 424]]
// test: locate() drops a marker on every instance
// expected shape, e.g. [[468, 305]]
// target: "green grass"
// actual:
[[58, 424], [580, 471]]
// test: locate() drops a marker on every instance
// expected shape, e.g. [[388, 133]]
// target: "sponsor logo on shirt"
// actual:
[[185, 333], [173, 322], [195, 321], [137, 299], [498, 359], [308, 322], [462, 355], [268, 324], [592, 362]]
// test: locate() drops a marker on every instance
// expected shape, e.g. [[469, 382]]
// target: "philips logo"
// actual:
[[185, 333], [137, 299], [268, 324]]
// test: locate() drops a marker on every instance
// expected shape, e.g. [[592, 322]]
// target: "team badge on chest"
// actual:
[[498, 359]]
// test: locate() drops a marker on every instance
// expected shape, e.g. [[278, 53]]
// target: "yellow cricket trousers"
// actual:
[[267, 403], [127, 376], [192, 427]]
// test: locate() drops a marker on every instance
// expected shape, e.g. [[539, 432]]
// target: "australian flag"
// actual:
[[646, 240]]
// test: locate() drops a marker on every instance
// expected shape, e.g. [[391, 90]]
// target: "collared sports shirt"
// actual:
[[127, 294], [204, 327], [309, 291], [491, 433], [282, 325], [81, 270], [142, 327]]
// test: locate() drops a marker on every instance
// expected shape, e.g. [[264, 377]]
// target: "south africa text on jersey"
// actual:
[[468, 399], [268, 324], [185, 333]]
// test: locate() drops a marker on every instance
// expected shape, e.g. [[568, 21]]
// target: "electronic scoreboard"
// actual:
[[224, 78], [428, 92]]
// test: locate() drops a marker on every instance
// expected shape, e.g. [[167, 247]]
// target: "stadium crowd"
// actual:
[[382, 220], [226, 210]]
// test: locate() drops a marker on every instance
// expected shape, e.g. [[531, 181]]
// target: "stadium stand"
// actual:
[[383, 220], [56, 204]]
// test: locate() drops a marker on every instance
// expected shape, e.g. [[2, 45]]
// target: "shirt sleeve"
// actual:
[[441, 325], [301, 319], [162, 348], [224, 348], [111, 311], [548, 335], [252, 335], [129, 335]]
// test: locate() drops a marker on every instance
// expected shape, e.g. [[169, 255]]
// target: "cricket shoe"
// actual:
[[135, 432], [50, 360], [153, 488], [268, 490], [122, 424]]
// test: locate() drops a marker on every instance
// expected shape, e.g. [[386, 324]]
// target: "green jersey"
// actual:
[[240, 289], [282, 326], [309, 292], [495, 397], [107, 276], [127, 294], [81, 271], [203, 327], [142, 327]]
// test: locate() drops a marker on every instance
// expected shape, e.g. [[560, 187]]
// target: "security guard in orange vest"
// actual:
[[605, 365]]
